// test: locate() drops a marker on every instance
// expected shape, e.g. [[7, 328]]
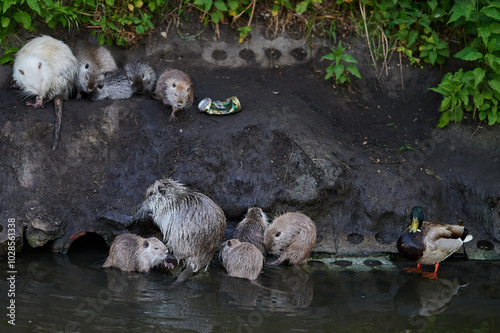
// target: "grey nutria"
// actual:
[[291, 237], [114, 86], [174, 88], [251, 229], [130, 252], [46, 68], [141, 76], [192, 224], [241, 259], [93, 63]]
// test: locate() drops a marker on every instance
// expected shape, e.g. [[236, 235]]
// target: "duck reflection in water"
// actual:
[[426, 297]]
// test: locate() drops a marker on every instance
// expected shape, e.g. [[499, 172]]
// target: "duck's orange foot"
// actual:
[[417, 269], [432, 276]]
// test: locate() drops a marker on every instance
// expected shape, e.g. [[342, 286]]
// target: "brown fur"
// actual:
[[174, 88], [93, 63], [241, 259], [252, 228], [192, 224], [131, 252], [291, 236]]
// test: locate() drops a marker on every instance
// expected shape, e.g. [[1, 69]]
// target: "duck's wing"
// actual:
[[436, 230]]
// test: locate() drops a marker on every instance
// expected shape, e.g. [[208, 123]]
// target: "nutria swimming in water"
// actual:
[[130, 252]]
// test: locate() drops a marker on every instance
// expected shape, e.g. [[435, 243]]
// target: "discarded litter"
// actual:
[[230, 105]]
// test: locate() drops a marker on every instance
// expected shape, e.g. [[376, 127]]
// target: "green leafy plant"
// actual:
[[410, 27], [476, 90], [435, 51], [337, 68], [111, 21]]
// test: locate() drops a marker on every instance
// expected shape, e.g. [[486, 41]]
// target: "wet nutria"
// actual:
[[174, 88], [141, 76], [241, 259], [93, 63], [46, 68], [130, 252], [291, 236], [252, 228], [114, 86], [191, 223]]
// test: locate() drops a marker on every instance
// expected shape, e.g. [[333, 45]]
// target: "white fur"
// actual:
[[45, 67]]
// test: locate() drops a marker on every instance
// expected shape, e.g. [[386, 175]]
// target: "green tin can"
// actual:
[[230, 105]]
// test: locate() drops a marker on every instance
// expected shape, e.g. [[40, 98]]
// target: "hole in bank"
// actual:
[[485, 245], [355, 238], [89, 249]]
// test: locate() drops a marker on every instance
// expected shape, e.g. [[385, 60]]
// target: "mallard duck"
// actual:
[[429, 243]]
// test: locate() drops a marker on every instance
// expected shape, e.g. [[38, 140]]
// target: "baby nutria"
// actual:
[[242, 259], [114, 86], [252, 228], [174, 88], [94, 62], [141, 76], [191, 223], [46, 68], [291, 236], [130, 252]]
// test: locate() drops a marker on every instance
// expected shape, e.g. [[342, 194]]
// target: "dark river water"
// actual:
[[72, 293]]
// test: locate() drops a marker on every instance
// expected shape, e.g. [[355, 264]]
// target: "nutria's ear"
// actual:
[[277, 234], [229, 243], [145, 244]]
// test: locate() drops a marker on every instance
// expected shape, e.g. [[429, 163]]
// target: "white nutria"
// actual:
[[46, 68], [131, 252], [252, 228], [174, 88], [192, 224], [241, 259], [114, 86], [93, 63], [141, 76], [291, 236]]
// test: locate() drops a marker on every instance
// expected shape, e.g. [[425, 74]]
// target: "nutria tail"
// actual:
[[185, 274], [57, 121]]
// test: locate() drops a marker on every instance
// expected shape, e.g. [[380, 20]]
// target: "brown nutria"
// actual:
[[252, 228], [192, 224], [130, 252], [174, 88], [241, 259], [46, 68], [94, 62], [291, 236]]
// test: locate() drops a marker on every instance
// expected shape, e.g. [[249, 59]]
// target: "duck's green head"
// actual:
[[416, 216]]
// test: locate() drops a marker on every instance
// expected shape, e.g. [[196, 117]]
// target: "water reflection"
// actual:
[[59, 293], [426, 297], [278, 289]]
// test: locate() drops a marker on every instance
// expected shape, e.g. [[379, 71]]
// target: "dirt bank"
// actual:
[[356, 160]]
